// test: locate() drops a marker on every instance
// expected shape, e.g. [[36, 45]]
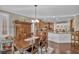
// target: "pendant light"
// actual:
[[36, 20], [36, 14], [34, 28]]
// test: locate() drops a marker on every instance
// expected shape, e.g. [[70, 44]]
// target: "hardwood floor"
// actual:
[[63, 48]]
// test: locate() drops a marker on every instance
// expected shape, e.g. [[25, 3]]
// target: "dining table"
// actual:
[[31, 40]]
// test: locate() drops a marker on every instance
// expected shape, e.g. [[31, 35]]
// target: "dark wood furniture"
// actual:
[[22, 31], [75, 39]]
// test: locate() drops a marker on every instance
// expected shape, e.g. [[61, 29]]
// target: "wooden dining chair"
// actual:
[[37, 44], [20, 46], [44, 42]]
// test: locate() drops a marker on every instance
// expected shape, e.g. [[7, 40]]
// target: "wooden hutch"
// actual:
[[22, 31]]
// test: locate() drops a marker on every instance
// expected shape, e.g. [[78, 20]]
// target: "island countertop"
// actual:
[[59, 37]]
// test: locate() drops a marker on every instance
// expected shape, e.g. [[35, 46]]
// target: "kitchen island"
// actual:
[[59, 37]]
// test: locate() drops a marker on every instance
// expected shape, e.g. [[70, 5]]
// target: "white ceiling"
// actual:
[[46, 12]]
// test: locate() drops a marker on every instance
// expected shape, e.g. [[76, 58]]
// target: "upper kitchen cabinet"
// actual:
[[50, 26], [41, 24]]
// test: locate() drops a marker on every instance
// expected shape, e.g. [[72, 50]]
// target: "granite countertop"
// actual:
[[60, 32]]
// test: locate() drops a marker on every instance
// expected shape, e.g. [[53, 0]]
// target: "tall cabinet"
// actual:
[[22, 31]]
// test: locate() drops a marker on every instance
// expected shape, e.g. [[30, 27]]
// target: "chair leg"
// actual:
[[41, 50], [37, 52], [46, 49]]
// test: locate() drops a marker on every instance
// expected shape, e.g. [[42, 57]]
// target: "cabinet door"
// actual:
[[23, 29]]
